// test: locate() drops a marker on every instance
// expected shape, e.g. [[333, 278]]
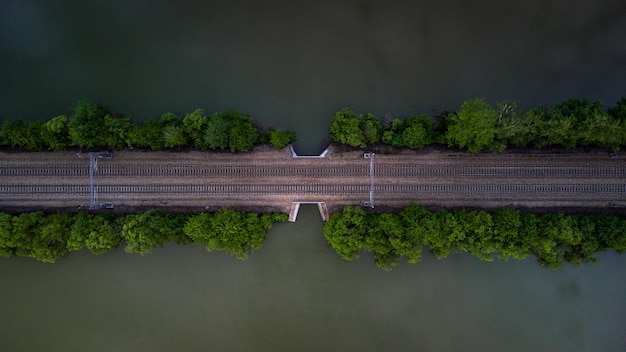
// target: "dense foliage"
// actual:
[[478, 126], [91, 125], [357, 130], [553, 238], [50, 237]]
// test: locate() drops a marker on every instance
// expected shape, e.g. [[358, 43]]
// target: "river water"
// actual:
[[292, 64]]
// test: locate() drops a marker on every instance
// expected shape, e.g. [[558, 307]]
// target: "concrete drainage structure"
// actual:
[[295, 207]]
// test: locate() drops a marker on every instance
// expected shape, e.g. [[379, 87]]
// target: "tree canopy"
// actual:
[[50, 237], [473, 127], [356, 130], [553, 238], [226, 230], [478, 126], [91, 125]]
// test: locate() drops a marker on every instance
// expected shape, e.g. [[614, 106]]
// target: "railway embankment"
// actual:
[[271, 180]]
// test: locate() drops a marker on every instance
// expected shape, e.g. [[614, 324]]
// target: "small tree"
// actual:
[[86, 124], [194, 125], [27, 135], [279, 139], [55, 133], [356, 130], [474, 127]]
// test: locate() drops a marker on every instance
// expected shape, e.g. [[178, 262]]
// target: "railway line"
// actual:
[[407, 190], [517, 171], [571, 190], [346, 179], [382, 170], [105, 170], [73, 170]]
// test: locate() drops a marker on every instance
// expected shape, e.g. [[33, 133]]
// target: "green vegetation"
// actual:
[[357, 130], [413, 132], [237, 233], [50, 237], [277, 138], [478, 126], [553, 238], [91, 125]]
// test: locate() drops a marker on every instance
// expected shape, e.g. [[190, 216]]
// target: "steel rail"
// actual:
[[382, 170], [571, 190]]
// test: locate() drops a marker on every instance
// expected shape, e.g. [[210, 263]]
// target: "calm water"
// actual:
[[292, 64]]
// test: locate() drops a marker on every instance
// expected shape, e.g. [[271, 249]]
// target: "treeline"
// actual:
[[50, 237], [553, 238], [478, 126], [91, 125]]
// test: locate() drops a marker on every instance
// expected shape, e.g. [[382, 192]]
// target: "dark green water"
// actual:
[[292, 65]]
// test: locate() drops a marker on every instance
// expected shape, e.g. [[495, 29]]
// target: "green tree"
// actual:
[[584, 250], [580, 109], [116, 133], [618, 111], [602, 130], [474, 127], [346, 232], [95, 232], [148, 135], [478, 239], [392, 135], [227, 230], [217, 131], [572, 122], [554, 233], [346, 128], [414, 132], [449, 235], [194, 125], [50, 241], [172, 130], [7, 248], [20, 134], [385, 236], [242, 134], [151, 229], [198, 228], [25, 230], [513, 127], [55, 134], [417, 223], [279, 139], [611, 232], [86, 124], [419, 132], [371, 129], [507, 224]]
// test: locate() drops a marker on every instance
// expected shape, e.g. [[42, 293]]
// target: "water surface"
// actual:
[[292, 64]]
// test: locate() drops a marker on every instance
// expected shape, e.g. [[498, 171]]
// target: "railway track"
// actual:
[[44, 170], [105, 170], [522, 190], [572, 190], [22, 190], [517, 171], [381, 170]]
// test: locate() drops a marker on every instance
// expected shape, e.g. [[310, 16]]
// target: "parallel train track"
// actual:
[[382, 170], [569, 190]]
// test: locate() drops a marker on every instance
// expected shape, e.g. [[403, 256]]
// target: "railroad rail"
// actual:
[[74, 170], [383, 190], [505, 189], [382, 170], [529, 171], [132, 180]]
